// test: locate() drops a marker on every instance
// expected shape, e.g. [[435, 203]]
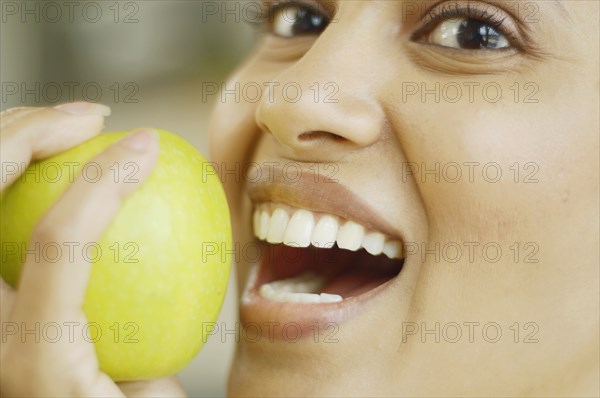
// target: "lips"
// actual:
[[324, 253]]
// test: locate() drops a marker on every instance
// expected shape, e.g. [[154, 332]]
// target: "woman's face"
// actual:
[[459, 136]]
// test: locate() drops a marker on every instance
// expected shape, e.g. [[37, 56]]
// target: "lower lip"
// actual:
[[284, 321]]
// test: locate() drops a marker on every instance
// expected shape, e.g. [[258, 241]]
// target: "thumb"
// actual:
[[56, 289]]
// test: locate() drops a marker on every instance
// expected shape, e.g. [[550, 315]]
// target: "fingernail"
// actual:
[[84, 108], [139, 140]]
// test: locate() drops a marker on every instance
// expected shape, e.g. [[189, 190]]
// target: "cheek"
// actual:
[[532, 194], [232, 129], [234, 137], [482, 172]]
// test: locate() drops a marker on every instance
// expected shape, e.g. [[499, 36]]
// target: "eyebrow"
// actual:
[[558, 5]]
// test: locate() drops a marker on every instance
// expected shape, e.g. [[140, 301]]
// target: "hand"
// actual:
[[54, 292]]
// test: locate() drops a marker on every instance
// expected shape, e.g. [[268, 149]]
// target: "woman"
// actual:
[[456, 142]]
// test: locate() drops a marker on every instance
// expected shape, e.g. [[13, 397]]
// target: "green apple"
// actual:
[[159, 273]]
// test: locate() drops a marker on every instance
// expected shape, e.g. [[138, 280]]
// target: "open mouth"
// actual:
[[312, 257], [326, 255]]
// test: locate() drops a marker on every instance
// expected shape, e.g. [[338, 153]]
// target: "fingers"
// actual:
[[167, 387], [33, 133], [36, 133], [55, 290]]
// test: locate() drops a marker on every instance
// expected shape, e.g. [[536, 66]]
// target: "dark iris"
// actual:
[[474, 34], [309, 22]]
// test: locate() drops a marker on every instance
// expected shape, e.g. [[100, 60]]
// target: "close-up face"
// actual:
[[413, 188]]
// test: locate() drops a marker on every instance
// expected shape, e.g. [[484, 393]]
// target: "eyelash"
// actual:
[[278, 4], [454, 10], [266, 11], [431, 19]]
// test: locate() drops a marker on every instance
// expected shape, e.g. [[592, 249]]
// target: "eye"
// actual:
[[294, 19], [467, 33], [471, 25]]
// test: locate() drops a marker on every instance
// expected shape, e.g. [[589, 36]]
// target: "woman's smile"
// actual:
[[323, 252]]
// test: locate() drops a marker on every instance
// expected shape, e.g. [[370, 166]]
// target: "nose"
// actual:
[[323, 102]]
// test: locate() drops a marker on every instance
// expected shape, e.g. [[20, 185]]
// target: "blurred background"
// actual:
[[149, 61]]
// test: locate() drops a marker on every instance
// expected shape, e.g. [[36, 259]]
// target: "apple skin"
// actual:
[[155, 290]]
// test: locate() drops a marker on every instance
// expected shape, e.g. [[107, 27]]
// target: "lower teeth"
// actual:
[[299, 289]]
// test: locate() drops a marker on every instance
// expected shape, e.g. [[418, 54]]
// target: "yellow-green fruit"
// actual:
[[159, 272]]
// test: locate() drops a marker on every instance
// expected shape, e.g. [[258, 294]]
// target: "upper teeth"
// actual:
[[304, 228]]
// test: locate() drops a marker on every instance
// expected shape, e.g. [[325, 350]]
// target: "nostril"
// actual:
[[319, 136]]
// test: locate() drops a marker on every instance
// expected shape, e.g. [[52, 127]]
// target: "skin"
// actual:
[[372, 131], [371, 125]]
